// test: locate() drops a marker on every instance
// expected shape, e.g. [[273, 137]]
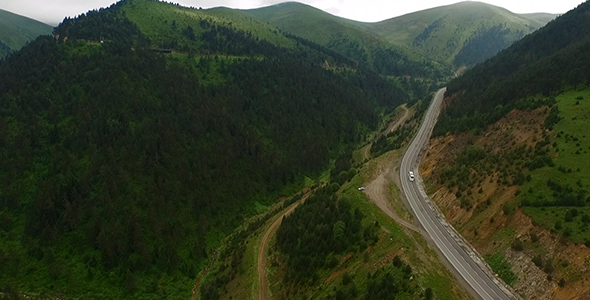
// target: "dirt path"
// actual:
[[263, 293], [393, 125], [378, 189]]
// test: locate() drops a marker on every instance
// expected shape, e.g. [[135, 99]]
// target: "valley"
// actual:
[[150, 150]]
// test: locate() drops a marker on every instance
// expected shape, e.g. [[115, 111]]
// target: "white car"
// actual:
[[362, 188], [411, 176]]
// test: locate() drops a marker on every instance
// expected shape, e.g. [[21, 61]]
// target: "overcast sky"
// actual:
[[53, 11]]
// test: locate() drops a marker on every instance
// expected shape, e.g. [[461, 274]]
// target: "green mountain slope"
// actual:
[[349, 38], [544, 62], [447, 33], [461, 34], [166, 25], [121, 167], [16, 31]]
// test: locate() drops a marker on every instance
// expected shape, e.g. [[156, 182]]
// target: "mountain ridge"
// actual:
[[17, 30], [474, 31]]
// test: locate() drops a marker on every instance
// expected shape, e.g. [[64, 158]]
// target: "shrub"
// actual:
[[548, 267], [346, 279], [538, 260], [428, 295], [517, 245]]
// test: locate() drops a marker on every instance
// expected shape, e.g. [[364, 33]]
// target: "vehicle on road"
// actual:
[[411, 176]]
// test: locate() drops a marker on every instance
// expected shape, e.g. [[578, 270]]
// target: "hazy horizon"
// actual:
[[52, 12]]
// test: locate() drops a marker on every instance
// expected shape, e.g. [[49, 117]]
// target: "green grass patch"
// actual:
[[165, 22], [573, 226], [570, 150], [502, 267]]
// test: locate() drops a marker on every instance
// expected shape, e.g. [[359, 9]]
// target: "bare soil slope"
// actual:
[[493, 223]]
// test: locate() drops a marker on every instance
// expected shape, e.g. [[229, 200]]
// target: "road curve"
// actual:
[[453, 247]]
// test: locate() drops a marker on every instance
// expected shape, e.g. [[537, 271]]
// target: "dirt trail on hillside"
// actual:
[[197, 284], [263, 293], [378, 189], [395, 124], [392, 126]]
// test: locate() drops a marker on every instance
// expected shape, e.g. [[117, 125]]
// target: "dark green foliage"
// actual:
[[394, 63], [553, 117], [541, 63], [115, 162], [563, 195], [318, 230], [4, 50], [538, 260], [424, 35], [517, 245], [485, 43], [389, 284], [428, 294]]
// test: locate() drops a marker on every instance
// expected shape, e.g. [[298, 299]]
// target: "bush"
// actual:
[[346, 279], [428, 295], [538, 261], [548, 267], [517, 245]]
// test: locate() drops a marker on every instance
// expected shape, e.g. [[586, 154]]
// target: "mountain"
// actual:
[[510, 160], [543, 62], [16, 31], [141, 134], [347, 37], [459, 34]]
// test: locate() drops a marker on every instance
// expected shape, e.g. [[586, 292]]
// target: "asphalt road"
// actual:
[[454, 248]]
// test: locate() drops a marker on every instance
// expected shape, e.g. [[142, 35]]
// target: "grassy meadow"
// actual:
[[571, 155]]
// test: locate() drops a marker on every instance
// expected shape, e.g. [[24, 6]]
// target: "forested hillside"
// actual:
[[16, 31], [122, 165], [544, 62]]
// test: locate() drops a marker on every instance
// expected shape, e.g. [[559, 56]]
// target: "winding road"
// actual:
[[458, 253]]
